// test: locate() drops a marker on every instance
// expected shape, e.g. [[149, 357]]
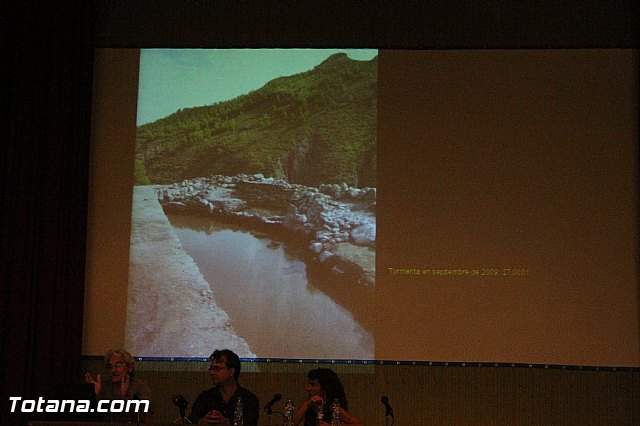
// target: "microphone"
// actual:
[[277, 397], [180, 401], [388, 411]]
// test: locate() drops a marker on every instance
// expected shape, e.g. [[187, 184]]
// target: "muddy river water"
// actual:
[[274, 300]]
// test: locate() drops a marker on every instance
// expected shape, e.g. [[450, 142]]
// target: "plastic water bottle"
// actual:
[[238, 415], [335, 413], [320, 410], [289, 409]]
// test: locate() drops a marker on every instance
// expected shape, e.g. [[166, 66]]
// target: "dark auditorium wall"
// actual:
[[46, 100], [46, 115]]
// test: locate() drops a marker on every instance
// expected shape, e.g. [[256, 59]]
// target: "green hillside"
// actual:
[[314, 127]]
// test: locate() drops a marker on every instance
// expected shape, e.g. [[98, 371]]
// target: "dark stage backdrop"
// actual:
[[46, 96]]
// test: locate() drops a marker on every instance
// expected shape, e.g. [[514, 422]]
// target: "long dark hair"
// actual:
[[331, 386]]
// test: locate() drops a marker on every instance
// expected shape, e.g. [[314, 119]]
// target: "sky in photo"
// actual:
[[171, 79]]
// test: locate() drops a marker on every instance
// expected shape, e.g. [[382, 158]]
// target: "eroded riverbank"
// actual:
[[171, 310]]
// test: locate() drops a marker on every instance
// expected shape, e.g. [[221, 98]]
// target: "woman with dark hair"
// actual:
[[323, 388]]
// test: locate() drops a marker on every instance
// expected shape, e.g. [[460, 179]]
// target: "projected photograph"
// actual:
[[392, 205], [254, 204]]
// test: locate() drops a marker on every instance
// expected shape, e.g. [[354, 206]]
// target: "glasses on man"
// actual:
[[118, 364], [217, 368]]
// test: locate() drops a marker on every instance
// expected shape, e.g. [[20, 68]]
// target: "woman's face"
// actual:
[[314, 388]]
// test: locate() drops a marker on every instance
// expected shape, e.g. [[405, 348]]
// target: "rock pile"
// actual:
[[330, 217]]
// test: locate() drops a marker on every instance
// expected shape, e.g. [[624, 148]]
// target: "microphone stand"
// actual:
[[137, 397], [182, 419], [269, 412], [388, 412], [269, 408]]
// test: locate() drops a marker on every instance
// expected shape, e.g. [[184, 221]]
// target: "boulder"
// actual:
[[364, 235]]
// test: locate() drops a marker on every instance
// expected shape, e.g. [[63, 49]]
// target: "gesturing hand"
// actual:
[[97, 384], [317, 400], [124, 386]]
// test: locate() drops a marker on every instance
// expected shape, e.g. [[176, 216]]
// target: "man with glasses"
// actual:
[[217, 405], [121, 386]]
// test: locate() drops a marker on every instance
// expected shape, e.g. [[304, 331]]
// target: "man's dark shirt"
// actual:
[[212, 400]]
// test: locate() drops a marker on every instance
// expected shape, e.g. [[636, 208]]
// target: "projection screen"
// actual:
[[467, 205]]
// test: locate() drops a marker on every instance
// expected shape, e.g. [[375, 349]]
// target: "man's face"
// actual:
[[117, 368], [219, 372], [314, 388]]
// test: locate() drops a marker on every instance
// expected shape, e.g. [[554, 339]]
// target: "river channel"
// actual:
[[281, 306]]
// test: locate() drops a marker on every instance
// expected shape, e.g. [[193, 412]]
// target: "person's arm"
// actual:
[[144, 393], [123, 389], [251, 410], [348, 418], [198, 409], [97, 383], [301, 411], [214, 417]]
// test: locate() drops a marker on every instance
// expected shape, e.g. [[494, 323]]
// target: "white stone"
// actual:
[[316, 247], [325, 255], [364, 234]]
